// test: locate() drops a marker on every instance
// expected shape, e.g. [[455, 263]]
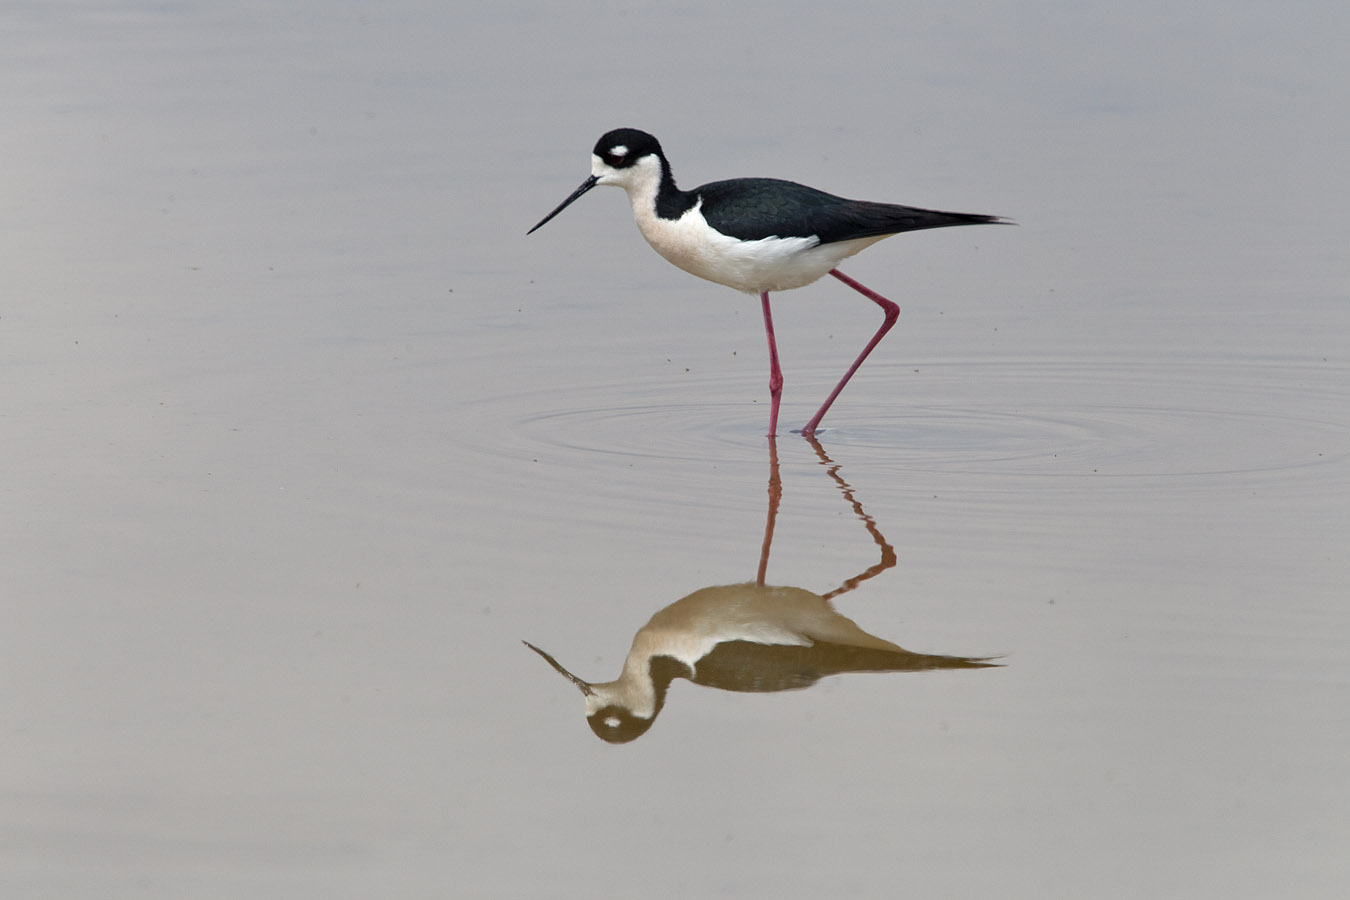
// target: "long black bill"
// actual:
[[585, 186], [584, 686]]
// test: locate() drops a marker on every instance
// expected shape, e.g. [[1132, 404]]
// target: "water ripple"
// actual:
[[1125, 418]]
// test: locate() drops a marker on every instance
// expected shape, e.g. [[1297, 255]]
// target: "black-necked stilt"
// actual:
[[755, 234], [740, 637], [749, 637]]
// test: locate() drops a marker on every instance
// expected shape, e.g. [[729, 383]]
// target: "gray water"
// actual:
[[300, 437]]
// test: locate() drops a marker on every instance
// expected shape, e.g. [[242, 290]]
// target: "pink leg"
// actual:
[[891, 312], [775, 497], [775, 372]]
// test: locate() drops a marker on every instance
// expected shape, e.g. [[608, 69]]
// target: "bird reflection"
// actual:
[[749, 637]]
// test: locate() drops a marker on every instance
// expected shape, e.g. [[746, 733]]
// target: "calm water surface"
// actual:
[[301, 437]]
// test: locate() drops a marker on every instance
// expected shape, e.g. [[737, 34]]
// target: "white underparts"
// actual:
[[770, 264]]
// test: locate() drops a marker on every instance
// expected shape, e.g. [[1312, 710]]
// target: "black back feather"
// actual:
[[754, 208]]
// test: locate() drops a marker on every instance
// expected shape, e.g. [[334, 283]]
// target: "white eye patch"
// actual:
[[619, 150]]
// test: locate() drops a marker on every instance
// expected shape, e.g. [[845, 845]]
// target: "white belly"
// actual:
[[771, 264]]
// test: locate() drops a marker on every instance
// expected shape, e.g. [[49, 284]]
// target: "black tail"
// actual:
[[873, 219]]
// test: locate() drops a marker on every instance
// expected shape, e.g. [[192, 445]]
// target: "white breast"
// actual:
[[770, 264]]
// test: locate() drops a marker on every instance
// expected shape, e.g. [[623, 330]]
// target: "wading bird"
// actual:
[[756, 235]]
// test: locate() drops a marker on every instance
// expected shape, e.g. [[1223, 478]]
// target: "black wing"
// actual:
[[754, 208], [747, 666]]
